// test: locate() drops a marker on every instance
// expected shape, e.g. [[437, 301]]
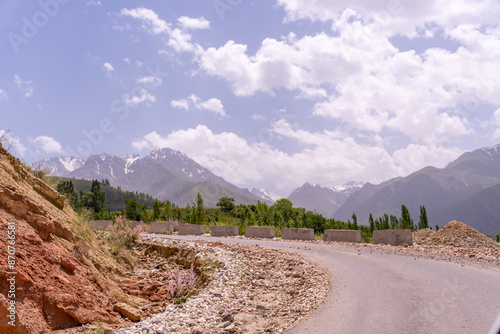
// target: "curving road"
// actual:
[[379, 293]]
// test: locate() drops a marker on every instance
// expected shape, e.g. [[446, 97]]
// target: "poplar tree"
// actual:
[[424, 223]]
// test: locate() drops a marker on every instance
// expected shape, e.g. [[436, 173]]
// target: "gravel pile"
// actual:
[[421, 235], [458, 234]]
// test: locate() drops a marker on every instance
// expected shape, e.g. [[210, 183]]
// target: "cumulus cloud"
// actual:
[[151, 22], [47, 145], [12, 142], [409, 18], [215, 105], [326, 157], [257, 117], [142, 96], [25, 86], [3, 95], [194, 23], [107, 67]]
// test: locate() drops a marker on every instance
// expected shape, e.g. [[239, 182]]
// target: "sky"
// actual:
[[267, 94]]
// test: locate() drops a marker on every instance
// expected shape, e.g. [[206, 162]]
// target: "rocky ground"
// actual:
[[248, 290]]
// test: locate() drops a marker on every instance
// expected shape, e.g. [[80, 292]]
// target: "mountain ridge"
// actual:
[[162, 173]]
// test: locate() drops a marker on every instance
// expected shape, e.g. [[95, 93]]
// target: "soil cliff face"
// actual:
[[56, 283]]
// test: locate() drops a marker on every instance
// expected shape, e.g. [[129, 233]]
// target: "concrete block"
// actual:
[[161, 227], [224, 231], [342, 235], [297, 233], [135, 224], [191, 229], [392, 237], [259, 232], [101, 224]]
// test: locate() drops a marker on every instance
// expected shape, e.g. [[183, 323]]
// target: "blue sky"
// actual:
[[264, 93]]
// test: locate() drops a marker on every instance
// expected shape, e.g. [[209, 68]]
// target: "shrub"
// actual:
[[181, 283], [122, 235]]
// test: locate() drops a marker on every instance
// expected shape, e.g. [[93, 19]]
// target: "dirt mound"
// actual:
[[54, 283], [421, 235], [459, 235]]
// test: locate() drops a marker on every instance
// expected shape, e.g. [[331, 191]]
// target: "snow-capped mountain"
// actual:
[[266, 195], [60, 166], [323, 200], [348, 188], [163, 173]]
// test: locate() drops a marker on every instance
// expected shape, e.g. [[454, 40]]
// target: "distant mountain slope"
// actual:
[[440, 190], [322, 199], [60, 166], [481, 210], [164, 174], [266, 195]]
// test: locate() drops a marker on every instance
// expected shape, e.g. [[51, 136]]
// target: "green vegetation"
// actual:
[[115, 197], [282, 214]]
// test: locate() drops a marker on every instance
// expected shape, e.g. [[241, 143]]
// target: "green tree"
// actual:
[[226, 204], [200, 210], [133, 209], [437, 227], [372, 223], [498, 237], [285, 207], [156, 210], [423, 223], [355, 221], [406, 222], [98, 197]]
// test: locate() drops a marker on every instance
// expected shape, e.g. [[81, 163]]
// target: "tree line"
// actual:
[[282, 214]]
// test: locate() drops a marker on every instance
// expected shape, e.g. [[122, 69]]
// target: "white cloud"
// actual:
[[127, 60], [3, 95], [326, 157], [142, 96], [108, 67], [149, 82], [11, 142], [47, 145], [496, 124], [24, 86], [94, 3], [194, 23], [359, 78], [257, 117], [396, 17], [180, 104], [152, 22], [215, 105]]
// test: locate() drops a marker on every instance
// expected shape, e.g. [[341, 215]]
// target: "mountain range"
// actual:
[[163, 173], [323, 200], [467, 189]]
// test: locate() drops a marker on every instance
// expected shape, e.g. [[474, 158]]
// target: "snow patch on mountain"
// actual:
[[266, 194]]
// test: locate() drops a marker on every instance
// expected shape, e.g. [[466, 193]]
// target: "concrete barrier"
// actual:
[[101, 224], [135, 224], [161, 227], [259, 232], [224, 231], [342, 235], [392, 237], [191, 229], [297, 233]]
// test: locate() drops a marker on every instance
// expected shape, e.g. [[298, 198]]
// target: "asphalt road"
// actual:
[[380, 293]]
